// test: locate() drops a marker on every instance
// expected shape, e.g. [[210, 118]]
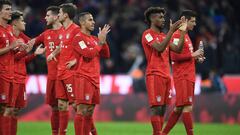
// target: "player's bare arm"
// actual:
[[161, 46], [71, 63], [53, 55], [14, 44]]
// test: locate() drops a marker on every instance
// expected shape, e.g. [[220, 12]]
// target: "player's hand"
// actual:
[[197, 54], [39, 50], [51, 57], [201, 59], [31, 42], [102, 35], [174, 26], [183, 26], [16, 44], [71, 63], [29, 48]]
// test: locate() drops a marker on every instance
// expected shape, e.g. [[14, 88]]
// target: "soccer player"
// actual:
[[65, 79], [18, 94], [51, 40], [7, 44], [155, 45], [184, 77], [89, 49]]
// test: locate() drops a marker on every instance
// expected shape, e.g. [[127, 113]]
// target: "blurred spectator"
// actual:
[[218, 25]]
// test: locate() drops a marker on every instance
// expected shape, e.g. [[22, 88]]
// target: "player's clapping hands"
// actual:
[[102, 35], [175, 26], [183, 26]]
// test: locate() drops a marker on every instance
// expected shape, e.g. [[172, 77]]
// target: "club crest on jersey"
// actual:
[[149, 37], [82, 44], [87, 97], [67, 36], [95, 42], [48, 37], [60, 37], [3, 97], [158, 98], [190, 99], [4, 35]]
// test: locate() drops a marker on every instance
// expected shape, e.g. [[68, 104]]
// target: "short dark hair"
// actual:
[[54, 9], [188, 14], [152, 10], [15, 15], [82, 14], [5, 2], [70, 9]]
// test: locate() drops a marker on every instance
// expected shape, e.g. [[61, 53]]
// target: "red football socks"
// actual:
[[157, 123], [1, 123], [93, 128], [79, 124], [55, 122], [13, 125], [6, 127], [173, 118], [188, 122], [63, 122]]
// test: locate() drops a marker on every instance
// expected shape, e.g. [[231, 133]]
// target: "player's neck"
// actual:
[[16, 32], [85, 31], [156, 29], [56, 26], [67, 23], [3, 22]]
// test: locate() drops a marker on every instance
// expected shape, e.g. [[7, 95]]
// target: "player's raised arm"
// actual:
[[177, 42]]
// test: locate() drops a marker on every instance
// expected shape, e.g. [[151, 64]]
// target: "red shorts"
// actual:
[[184, 92], [5, 88], [18, 97], [65, 89], [51, 98], [86, 92], [158, 89]]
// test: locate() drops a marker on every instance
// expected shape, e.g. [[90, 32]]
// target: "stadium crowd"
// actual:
[[218, 26]]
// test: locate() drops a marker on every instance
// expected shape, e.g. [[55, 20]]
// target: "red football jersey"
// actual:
[[89, 53], [7, 59], [183, 64], [67, 52], [157, 63], [20, 60], [51, 40]]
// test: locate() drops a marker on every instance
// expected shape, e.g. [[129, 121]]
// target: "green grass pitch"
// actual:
[[130, 128]]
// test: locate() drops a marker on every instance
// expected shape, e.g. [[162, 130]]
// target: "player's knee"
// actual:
[[55, 108], [158, 110], [90, 110], [82, 109], [187, 108], [63, 105], [8, 112], [16, 111], [178, 109]]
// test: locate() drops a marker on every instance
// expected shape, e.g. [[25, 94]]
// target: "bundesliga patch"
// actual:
[[175, 41], [82, 44], [149, 37]]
